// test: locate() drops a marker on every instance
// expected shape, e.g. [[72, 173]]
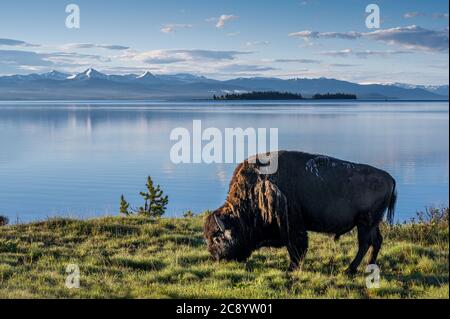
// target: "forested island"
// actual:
[[268, 95], [274, 95], [334, 96]]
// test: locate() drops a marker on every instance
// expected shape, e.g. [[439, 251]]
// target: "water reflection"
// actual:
[[76, 160]]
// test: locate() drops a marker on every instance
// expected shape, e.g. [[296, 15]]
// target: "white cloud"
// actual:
[[409, 15], [415, 14], [222, 20], [16, 43], [23, 58], [343, 65], [304, 61], [181, 55], [16, 61], [412, 37], [171, 28], [74, 46], [339, 53], [256, 43], [364, 54], [74, 57], [167, 29], [233, 34], [239, 68], [440, 15]]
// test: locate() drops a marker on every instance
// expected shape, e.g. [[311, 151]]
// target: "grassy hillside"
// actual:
[[140, 258]]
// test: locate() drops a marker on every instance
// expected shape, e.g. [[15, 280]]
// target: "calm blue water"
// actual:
[[76, 159]]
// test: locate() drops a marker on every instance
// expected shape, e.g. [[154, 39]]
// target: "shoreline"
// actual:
[[167, 101], [12, 223], [425, 215]]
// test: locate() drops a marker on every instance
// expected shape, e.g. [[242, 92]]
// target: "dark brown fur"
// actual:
[[307, 193]]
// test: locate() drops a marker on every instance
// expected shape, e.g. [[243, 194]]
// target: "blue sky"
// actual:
[[225, 39]]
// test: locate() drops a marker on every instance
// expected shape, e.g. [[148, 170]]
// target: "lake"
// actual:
[[75, 159]]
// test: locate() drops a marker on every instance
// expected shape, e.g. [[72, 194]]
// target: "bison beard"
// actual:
[[307, 193]]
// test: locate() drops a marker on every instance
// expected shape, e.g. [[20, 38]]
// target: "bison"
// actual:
[[307, 193]]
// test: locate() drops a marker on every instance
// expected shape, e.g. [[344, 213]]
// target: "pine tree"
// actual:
[[124, 205], [188, 214], [155, 201]]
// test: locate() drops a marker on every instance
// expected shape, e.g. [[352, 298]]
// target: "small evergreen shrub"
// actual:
[[155, 202]]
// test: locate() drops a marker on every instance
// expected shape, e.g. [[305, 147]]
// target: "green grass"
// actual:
[[135, 257]]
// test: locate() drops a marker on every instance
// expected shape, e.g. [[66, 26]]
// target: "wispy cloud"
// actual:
[[23, 58], [182, 55], [222, 20], [307, 2], [239, 68], [233, 34], [329, 35], [365, 53], [338, 53], [16, 43], [73, 57], [410, 15], [256, 43], [304, 61], [173, 27], [440, 15], [415, 14], [343, 65], [128, 69], [16, 61], [412, 37], [74, 46]]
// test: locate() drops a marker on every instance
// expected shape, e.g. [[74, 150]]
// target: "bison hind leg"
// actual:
[[376, 241], [364, 242]]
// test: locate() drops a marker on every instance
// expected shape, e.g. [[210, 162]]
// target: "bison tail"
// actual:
[[392, 202]]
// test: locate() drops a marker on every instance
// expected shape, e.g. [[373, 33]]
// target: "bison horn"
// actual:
[[219, 223]]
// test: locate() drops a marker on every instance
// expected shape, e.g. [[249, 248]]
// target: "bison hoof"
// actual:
[[351, 271], [293, 267]]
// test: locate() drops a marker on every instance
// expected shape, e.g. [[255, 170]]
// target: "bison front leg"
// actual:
[[297, 247], [295, 237], [272, 202]]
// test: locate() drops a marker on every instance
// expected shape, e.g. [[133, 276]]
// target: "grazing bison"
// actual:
[[307, 193]]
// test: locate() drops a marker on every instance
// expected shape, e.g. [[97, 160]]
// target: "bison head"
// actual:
[[225, 237]]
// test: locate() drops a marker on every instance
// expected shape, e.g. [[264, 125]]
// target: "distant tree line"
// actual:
[[267, 95], [334, 96], [274, 95]]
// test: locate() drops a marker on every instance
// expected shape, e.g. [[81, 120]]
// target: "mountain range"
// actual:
[[94, 85]]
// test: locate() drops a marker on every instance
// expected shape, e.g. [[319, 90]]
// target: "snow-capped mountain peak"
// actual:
[[145, 75], [56, 85], [88, 74], [55, 75], [437, 89]]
